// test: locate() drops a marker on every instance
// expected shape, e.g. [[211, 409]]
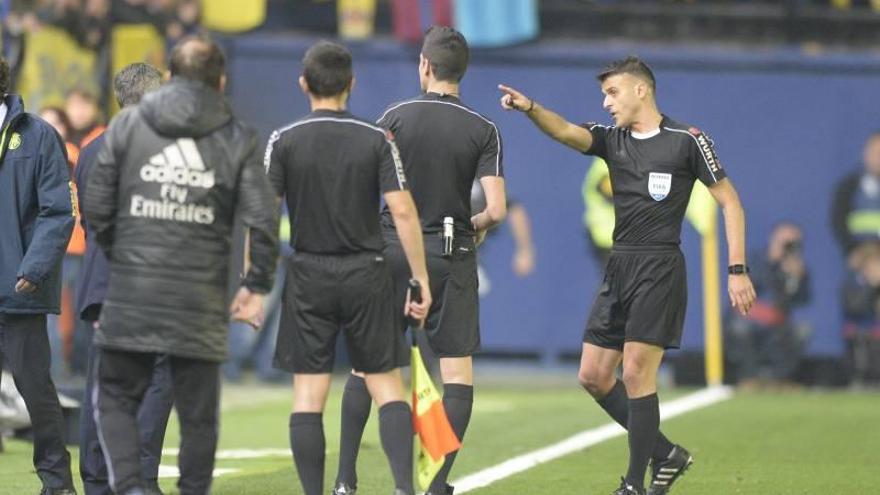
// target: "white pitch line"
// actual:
[[238, 453], [173, 472], [588, 438]]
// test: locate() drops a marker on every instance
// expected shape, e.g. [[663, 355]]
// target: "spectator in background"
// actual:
[[57, 118], [523, 261], [856, 211], [84, 111], [861, 313], [599, 210], [87, 21], [183, 20], [765, 346]]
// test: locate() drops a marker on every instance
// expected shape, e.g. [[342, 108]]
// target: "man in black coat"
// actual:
[[130, 85], [173, 175]]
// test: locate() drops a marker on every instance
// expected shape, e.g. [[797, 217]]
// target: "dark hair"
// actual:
[[134, 81], [447, 52], [4, 76], [61, 114], [198, 58], [630, 65], [327, 68]]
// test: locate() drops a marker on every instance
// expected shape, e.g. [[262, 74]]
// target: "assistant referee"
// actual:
[[445, 145], [332, 167], [639, 310]]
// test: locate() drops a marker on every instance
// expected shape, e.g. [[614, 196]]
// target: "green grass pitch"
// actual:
[[793, 443]]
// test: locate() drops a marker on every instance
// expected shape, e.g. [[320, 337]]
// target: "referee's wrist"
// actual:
[[738, 269], [530, 108]]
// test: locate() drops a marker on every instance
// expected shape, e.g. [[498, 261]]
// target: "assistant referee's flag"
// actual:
[[436, 437]]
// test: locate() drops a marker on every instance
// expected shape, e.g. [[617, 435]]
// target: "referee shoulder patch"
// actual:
[[706, 146], [267, 157]]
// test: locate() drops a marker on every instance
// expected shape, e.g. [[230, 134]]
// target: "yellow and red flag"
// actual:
[[436, 437]]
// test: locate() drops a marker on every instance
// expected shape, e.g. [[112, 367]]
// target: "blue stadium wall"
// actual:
[[787, 126]]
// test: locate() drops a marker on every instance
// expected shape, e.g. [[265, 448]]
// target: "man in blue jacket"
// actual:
[[37, 213]]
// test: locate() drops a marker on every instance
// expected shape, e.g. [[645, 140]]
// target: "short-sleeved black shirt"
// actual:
[[652, 177], [444, 145], [332, 167]]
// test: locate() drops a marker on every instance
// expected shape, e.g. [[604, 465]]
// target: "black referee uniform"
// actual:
[[445, 146], [643, 296], [332, 167]]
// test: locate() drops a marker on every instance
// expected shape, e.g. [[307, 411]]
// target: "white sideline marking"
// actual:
[[173, 472], [584, 439], [239, 453]]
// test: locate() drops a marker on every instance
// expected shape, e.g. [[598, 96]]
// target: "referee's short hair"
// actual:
[[631, 65], [134, 81], [447, 51], [327, 68]]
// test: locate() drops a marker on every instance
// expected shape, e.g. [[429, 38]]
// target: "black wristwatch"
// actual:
[[737, 269]]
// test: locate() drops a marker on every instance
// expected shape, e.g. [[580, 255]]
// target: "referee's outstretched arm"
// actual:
[[551, 123], [409, 231]]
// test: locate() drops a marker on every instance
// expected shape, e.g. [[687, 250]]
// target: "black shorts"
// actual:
[[453, 326], [326, 294], [643, 298]]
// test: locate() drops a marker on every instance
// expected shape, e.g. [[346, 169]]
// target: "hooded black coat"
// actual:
[[171, 178]]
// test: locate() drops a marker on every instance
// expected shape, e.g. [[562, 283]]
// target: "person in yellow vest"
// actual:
[[599, 209], [855, 214]]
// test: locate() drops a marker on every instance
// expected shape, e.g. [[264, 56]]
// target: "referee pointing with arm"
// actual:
[[445, 145], [332, 168], [639, 310]]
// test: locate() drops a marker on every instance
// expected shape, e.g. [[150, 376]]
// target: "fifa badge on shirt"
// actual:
[[659, 185]]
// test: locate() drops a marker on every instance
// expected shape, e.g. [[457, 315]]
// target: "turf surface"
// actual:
[[792, 443]]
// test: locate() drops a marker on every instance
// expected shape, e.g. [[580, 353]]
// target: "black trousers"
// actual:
[[152, 419], [24, 347], [122, 380]]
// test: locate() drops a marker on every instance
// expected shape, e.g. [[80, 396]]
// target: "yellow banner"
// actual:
[[356, 18], [233, 16], [53, 65]]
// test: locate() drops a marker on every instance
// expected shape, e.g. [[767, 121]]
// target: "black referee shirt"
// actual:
[[445, 146], [652, 177], [332, 167]]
